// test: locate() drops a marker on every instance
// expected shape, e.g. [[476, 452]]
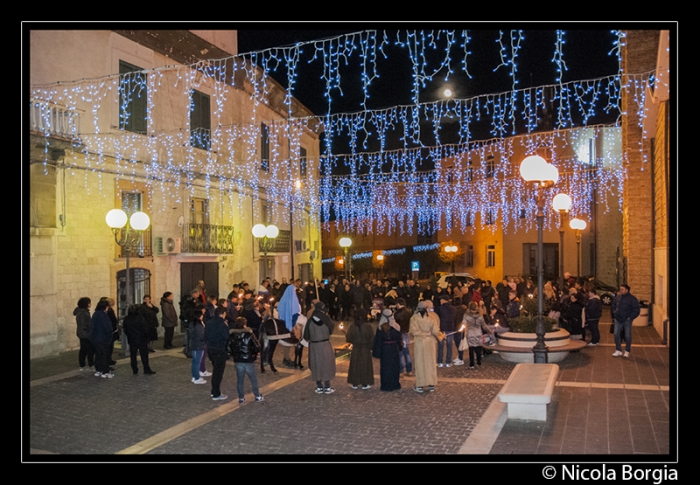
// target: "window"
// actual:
[[490, 255], [131, 202], [470, 171], [302, 162], [264, 148], [470, 219], [200, 120], [469, 256], [133, 98], [490, 216], [490, 166], [200, 210]]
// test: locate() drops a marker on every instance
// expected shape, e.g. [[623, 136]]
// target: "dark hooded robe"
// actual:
[[387, 347], [361, 336]]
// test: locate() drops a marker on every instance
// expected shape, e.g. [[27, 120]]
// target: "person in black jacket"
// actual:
[[593, 312], [101, 338], [136, 331], [83, 321], [244, 350], [216, 334], [150, 313]]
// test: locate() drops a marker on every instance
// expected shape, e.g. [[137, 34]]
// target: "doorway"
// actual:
[[550, 261]]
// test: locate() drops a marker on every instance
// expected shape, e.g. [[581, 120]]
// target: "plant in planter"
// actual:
[[527, 321]]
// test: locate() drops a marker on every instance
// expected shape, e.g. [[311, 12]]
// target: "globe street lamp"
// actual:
[[561, 204], [345, 243], [578, 225], [540, 174], [132, 237], [267, 234], [451, 254]]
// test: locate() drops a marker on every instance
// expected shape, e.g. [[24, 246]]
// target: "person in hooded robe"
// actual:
[[387, 348], [425, 328], [361, 336], [288, 310], [321, 355]]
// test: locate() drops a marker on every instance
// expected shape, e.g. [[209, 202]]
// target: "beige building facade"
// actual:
[[206, 150]]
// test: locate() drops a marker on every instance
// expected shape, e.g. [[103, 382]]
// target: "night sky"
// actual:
[[586, 54]]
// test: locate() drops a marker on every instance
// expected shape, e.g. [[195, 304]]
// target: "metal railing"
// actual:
[[144, 248], [201, 138], [280, 244], [53, 119], [207, 238]]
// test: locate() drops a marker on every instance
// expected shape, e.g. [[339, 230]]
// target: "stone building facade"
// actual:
[[203, 186]]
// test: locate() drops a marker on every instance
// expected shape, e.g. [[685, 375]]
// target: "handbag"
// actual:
[[463, 344]]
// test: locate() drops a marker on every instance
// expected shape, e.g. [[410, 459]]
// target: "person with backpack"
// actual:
[[244, 348]]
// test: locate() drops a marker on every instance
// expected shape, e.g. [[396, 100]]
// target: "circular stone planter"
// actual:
[[553, 340]]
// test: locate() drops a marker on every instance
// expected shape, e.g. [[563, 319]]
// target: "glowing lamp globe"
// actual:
[[139, 221], [578, 224], [551, 174], [533, 168], [116, 218], [272, 231], [259, 230], [561, 202], [345, 242]]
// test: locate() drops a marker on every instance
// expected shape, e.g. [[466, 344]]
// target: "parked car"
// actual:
[[605, 292], [454, 278]]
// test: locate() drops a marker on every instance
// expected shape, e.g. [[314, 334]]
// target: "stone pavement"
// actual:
[[601, 406]]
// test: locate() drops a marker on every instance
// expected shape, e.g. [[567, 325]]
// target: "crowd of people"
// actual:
[[250, 324]]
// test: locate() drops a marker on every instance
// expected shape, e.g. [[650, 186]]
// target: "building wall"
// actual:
[[638, 56], [73, 252]]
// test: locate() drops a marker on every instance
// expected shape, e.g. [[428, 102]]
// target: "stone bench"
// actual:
[[528, 390]]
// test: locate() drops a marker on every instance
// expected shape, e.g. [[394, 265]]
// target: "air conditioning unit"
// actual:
[[312, 255], [158, 246], [164, 246], [173, 245], [299, 245]]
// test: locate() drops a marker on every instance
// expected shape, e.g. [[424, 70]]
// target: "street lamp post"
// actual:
[[561, 204], [131, 238], [267, 233], [578, 225], [345, 243], [536, 171], [451, 251]]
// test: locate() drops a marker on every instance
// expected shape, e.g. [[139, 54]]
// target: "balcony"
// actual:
[[280, 244], [207, 238], [143, 249], [54, 120]]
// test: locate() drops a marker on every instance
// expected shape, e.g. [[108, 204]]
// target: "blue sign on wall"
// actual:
[[415, 266]]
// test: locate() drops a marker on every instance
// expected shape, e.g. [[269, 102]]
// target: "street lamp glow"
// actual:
[[578, 224], [561, 202], [532, 168], [116, 219], [536, 169], [345, 242], [140, 221], [259, 230], [272, 231]]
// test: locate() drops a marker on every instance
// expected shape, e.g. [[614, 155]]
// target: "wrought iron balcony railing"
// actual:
[[143, 249], [280, 244], [53, 119], [207, 238]]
